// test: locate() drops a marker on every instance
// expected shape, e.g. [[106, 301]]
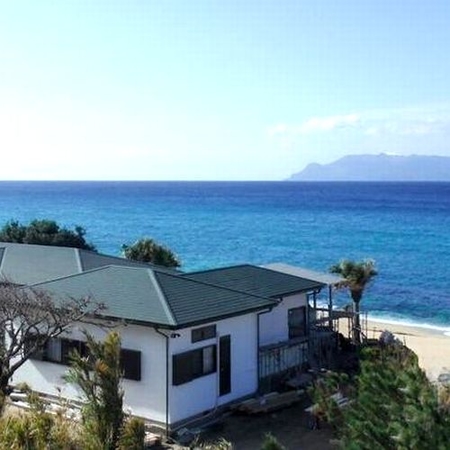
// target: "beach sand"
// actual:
[[431, 346]]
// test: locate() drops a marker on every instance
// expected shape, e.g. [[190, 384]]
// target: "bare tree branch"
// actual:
[[29, 318]]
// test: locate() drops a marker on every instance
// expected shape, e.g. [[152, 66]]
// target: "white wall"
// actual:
[[145, 398], [202, 394], [274, 325]]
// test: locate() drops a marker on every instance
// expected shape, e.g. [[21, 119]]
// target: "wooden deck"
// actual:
[[269, 402]]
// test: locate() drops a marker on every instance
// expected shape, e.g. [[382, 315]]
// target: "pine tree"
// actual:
[[395, 407], [98, 375]]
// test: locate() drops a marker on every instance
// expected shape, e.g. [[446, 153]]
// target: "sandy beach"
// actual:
[[431, 346]]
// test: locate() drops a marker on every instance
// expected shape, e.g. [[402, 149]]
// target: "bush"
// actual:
[[221, 444], [44, 232], [37, 429], [147, 250], [271, 443], [133, 435]]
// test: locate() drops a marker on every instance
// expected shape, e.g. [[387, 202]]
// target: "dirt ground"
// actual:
[[289, 426]]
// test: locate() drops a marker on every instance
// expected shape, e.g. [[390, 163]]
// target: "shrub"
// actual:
[[271, 443], [133, 435]]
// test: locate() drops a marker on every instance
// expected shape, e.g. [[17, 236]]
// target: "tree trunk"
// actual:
[[357, 323], [4, 391]]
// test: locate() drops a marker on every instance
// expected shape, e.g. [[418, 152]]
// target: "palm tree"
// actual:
[[356, 275]]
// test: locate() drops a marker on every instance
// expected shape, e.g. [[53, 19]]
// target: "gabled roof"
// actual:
[[143, 295], [256, 280], [28, 263]]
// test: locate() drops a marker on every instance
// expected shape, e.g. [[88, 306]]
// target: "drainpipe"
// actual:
[[167, 379]]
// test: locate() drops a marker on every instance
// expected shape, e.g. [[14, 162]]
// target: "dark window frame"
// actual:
[[193, 364], [130, 360], [294, 329], [203, 333]]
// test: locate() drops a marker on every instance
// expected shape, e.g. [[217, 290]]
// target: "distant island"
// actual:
[[382, 167]]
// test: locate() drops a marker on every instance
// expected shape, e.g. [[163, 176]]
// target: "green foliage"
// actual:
[[2, 402], [98, 376], [44, 232], [393, 406], [38, 429], [133, 435], [323, 394], [271, 443], [221, 444], [147, 250], [18, 432], [356, 275]]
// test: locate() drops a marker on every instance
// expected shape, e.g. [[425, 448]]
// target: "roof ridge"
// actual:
[[80, 274], [226, 288], [79, 251], [78, 259], [162, 296], [5, 249], [215, 269], [148, 264]]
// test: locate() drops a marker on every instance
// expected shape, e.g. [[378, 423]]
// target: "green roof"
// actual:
[[256, 280], [29, 263], [199, 302], [155, 297], [147, 293]]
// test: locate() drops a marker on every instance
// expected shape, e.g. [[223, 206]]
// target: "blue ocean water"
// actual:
[[405, 227]]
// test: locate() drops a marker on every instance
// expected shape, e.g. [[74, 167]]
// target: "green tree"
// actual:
[[396, 406], [147, 250], [45, 232], [392, 405], [99, 377], [356, 275]]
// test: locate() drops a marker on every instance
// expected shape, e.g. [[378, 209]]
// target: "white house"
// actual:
[[191, 342]]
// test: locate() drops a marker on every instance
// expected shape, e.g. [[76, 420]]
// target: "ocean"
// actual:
[[404, 227]]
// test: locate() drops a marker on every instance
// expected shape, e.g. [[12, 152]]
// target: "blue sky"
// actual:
[[218, 89]]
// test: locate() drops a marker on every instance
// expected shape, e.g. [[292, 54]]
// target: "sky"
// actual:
[[217, 89]]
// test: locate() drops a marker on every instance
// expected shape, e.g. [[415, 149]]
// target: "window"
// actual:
[[53, 351], [58, 350], [130, 360], [194, 364], [68, 346], [203, 333], [30, 342], [297, 322]]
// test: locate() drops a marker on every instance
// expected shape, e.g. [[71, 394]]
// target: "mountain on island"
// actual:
[[380, 167]]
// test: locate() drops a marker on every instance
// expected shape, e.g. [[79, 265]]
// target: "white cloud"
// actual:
[[277, 129], [418, 121], [420, 130], [407, 127], [318, 124]]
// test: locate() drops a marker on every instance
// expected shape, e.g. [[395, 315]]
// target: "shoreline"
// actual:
[[432, 345]]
